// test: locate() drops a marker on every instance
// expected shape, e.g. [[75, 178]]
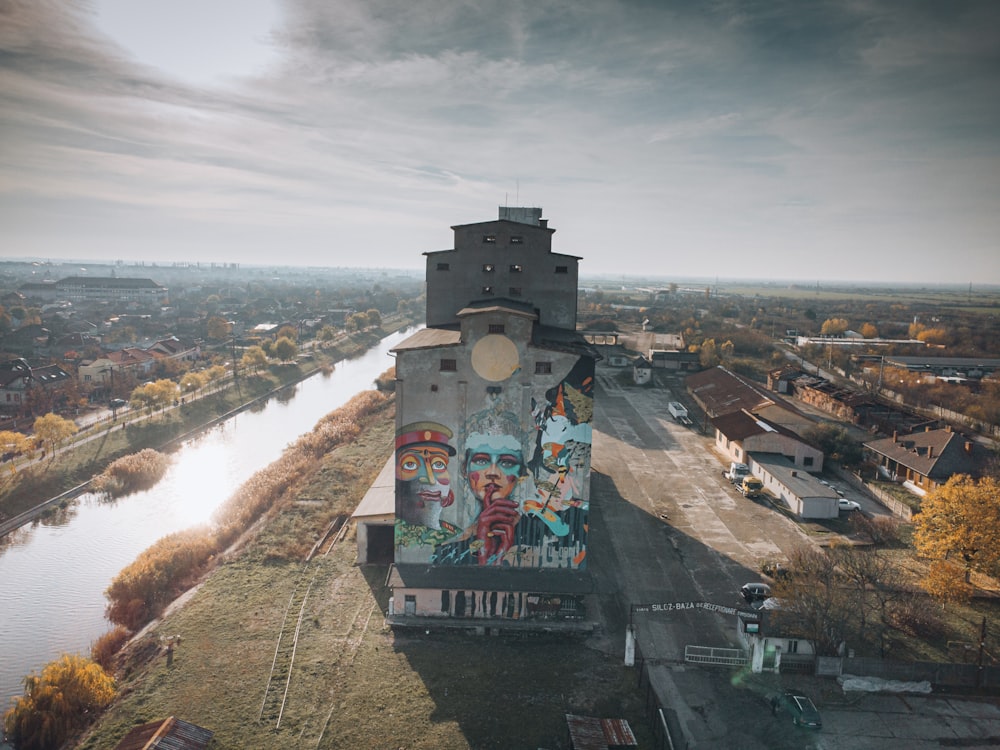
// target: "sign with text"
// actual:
[[682, 606]]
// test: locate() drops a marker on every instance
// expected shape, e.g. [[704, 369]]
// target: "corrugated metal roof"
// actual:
[[166, 734], [589, 733], [428, 338]]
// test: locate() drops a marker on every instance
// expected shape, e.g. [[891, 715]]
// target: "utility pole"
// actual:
[[982, 648]]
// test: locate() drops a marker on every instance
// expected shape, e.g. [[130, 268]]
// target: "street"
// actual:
[[668, 528]]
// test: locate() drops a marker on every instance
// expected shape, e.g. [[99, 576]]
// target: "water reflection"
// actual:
[[53, 573]]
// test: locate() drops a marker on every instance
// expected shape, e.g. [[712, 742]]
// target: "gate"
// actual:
[[727, 657]]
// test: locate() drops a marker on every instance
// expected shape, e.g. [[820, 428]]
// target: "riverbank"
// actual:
[[66, 473]]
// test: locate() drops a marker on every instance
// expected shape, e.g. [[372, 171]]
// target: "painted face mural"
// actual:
[[527, 513], [494, 464], [423, 484]]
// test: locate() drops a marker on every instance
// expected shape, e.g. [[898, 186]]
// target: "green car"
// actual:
[[803, 711]]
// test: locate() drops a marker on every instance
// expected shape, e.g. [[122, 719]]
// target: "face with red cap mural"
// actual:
[[423, 484]]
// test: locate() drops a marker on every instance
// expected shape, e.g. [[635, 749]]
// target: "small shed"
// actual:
[[166, 734], [642, 371], [375, 518], [589, 733]]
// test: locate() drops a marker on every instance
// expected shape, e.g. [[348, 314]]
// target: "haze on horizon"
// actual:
[[856, 141]]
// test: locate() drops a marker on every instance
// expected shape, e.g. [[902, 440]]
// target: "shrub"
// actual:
[[139, 471], [913, 616], [141, 590], [57, 703], [104, 649]]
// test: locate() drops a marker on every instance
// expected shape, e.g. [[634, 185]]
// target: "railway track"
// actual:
[[280, 678]]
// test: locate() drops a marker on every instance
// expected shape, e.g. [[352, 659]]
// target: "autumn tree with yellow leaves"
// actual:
[[57, 703], [960, 522], [54, 430]]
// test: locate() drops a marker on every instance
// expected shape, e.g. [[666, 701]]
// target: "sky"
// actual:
[[853, 140]]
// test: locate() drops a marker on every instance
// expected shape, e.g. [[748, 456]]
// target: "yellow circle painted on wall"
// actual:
[[494, 358]]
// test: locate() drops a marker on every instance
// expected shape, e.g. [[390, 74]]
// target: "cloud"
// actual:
[[704, 134]]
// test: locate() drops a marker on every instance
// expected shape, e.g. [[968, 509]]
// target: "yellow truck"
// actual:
[[751, 486]]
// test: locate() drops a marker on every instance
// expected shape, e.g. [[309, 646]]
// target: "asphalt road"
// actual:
[[667, 527]]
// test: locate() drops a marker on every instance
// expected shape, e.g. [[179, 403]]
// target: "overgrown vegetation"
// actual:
[[58, 702], [142, 589], [138, 471]]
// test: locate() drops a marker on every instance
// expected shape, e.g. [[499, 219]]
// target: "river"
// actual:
[[53, 574]]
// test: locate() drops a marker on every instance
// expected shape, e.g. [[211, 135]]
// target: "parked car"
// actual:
[[755, 592], [804, 713], [847, 505]]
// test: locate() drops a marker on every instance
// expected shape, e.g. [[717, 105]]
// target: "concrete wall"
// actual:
[[526, 271], [483, 604]]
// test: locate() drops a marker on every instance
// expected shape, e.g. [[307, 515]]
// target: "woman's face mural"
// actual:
[[493, 466]]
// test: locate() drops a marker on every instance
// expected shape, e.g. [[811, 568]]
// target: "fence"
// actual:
[[727, 657]]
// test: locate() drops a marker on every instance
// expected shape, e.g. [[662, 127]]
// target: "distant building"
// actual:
[[98, 289], [972, 368]]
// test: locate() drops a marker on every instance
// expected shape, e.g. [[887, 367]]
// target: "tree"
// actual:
[[284, 349], [813, 604], [356, 321], [58, 702], [156, 395], [53, 430], [192, 381], [217, 328], [947, 582], [961, 519], [836, 442], [288, 332], [708, 356], [875, 581], [834, 326], [253, 358], [374, 317], [12, 443]]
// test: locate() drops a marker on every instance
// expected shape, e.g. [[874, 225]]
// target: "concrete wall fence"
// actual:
[[938, 674]]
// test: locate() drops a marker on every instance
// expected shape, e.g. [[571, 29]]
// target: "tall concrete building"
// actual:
[[494, 403]]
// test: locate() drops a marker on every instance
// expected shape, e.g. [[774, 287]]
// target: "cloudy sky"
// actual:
[[768, 139]]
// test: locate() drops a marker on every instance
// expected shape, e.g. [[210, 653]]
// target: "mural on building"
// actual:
[[522, 494], [423, 485]]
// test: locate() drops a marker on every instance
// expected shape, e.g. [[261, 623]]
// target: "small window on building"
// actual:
[[517, 240], [562, 269], [543, 368], [514, 291], [488, 290], [496, 328], [490, 239], [793, 647], [516, 268], [488, 267], [443, 267], [449, 365], [445, 601], [807, 460]]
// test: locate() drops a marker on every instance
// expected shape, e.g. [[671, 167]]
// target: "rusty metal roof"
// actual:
[[166, 734], [589, 733]]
